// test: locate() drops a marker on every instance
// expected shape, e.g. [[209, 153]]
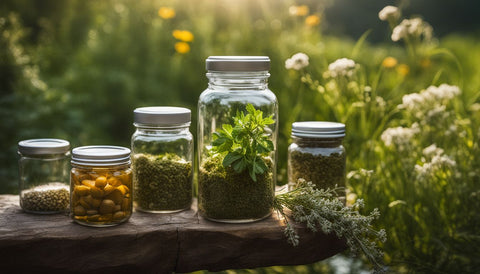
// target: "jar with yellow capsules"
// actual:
[[101, 185]]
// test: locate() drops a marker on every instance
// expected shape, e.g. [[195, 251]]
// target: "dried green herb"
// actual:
[[324, 171], [322, 210], [226, 194], [52, 197], [162, 182]]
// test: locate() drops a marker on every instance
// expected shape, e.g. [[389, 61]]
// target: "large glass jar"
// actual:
[[43, 173], [101, 185], [317, 155], [162, 158], [237, 134]]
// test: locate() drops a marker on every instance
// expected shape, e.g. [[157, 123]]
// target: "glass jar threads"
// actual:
[[237, 133], [100, 185], [317, 155], [43, 172], [162, 156]]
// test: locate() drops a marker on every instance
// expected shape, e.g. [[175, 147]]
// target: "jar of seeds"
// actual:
[[101, 185], [317, 155], [162, 156], [43, 173]]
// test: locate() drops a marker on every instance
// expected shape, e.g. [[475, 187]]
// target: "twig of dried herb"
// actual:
[[321, 210]]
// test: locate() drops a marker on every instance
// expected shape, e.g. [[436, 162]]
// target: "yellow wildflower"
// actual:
[[312, 20], [182, 47], [389, 62], [403, 69], [425, 63], [166, 13], [183, 35], [298, 10]]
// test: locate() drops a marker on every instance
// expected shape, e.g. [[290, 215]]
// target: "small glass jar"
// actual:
[[162, 159], [317, 155], [227, 191], [101, 185], [43, 173]]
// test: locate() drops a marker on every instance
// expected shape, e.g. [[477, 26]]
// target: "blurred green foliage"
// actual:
[[77, 69]]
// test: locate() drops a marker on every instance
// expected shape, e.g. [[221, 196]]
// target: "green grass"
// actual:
[[77, 70]]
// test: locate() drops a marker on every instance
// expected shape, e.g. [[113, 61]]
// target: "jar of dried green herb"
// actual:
[[162, 157], [316, 154], [237, 140], [43, 170]]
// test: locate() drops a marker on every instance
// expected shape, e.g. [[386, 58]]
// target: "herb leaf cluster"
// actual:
[[321, 210], [246, 142]]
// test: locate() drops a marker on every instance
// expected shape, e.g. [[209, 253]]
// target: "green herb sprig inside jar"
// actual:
[[162, 155], [316, 154], [43, 170]]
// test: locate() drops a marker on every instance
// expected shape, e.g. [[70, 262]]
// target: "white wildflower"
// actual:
[[389, 12], [432, 150], [411, 101], [342, 67], [414, 27], [297, 62], [443, 161], [399, 136], [442, 92]]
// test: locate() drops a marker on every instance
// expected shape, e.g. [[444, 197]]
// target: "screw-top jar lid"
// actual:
[[43, 146], [162, 116], [100, 155], [238, 63], [317, 129]]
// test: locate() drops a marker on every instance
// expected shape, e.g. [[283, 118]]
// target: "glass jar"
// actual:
[[162, 159], [100, 185], [237, 157], [317, 155], [43, 173]]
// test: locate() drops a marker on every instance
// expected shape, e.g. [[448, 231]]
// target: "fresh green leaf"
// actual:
[[231, 157]]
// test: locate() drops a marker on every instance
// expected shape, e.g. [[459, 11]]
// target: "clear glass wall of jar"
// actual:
[[231, 186], [317, 155], [101, 185], [43, 173], [162, 157]]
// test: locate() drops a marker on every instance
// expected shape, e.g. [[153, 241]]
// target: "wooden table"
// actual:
[[149, 243]]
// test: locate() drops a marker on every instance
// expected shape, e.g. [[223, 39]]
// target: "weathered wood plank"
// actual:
[[159, 243]]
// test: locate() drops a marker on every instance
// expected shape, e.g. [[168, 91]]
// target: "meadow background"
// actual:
[[77, 69]]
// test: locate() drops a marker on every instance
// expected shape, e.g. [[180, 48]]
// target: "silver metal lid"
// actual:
[[43, 146], [238, 63], [317, 129], [162, 116], [100, 155]]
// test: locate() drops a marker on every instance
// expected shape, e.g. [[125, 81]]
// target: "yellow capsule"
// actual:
[[114, 181], [96, 192], [81, 190], [101, 181], [123, 189], [108, 189], [119, 215], [88, 183], [79, 210]]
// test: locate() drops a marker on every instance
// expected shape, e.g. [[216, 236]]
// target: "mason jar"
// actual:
[[43, 173], [162, 159], [101, 185], [237, 140], [317, 155]]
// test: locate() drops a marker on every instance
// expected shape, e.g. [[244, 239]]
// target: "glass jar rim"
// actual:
[[43, 146], [100, 155], [318, 129]]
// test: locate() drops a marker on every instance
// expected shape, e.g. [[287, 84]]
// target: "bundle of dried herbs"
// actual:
[[322, 210], [162, 182]]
